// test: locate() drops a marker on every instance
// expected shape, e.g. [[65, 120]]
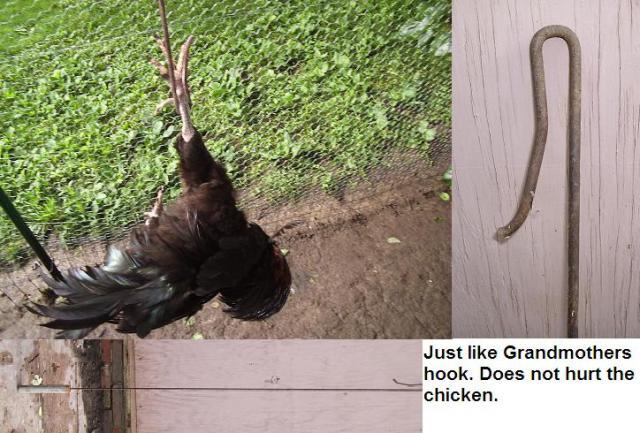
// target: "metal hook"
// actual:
[[537, 152]]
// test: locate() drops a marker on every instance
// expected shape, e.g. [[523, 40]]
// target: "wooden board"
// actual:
[[200, 411], [518, 288], [277, 364], [275, 386], [45, 387], [47, 362], [20, 411]]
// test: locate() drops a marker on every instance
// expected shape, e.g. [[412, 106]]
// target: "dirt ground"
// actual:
[[374, 263]]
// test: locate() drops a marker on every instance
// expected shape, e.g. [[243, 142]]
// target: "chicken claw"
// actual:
[[180, 74], [156, 210]]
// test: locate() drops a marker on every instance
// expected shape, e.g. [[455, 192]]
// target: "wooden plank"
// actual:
[[275, 386], [200, 411], [44, 363], [107, 422], [277, 364], [53, 362], [112, 380], [129, 382], [518, 288], [55, 365], [118, 406], [20, 411]]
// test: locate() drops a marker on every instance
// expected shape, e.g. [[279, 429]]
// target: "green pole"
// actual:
[[25, 231]]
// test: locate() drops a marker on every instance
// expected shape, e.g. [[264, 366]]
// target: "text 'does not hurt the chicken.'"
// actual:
[[471, 382]]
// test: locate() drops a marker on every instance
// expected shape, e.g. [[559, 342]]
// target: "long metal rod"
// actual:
[[63, 389], [537, 152], [44, 389], [25, 231], [167, 44]]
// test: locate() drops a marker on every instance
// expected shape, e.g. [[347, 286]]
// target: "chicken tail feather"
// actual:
[[122, 291]]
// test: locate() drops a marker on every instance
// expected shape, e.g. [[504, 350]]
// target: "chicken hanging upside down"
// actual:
[[197, 248]]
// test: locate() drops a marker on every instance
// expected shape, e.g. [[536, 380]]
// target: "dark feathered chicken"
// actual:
[[197, 248]]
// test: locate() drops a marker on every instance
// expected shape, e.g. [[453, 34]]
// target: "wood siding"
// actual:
[[50, 363], [519, 288], [278, 386], [42, 388]]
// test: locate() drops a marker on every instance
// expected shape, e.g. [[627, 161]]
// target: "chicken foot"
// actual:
[[175, 73], [156, 211]]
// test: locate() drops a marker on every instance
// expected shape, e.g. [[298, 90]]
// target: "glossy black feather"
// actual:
[[200, 247]]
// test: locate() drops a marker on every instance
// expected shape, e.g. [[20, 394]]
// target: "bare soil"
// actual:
[[372, 263]]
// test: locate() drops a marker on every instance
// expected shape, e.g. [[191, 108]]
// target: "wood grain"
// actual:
[[55, 363], [277, 386], [200, 411], [518, 288], [19, 410], [277, 364]]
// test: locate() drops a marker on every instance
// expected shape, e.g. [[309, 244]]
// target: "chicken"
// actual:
[[197, 248]]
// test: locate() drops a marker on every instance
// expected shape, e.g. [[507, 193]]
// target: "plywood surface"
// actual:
[[200, 411], [518, 288], [278, 386], [277, 364]]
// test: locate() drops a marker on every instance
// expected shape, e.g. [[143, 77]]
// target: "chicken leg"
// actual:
[[181, 97], [199, 247], [156, 211]]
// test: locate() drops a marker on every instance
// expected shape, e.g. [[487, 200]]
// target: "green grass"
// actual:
[[288, 94]]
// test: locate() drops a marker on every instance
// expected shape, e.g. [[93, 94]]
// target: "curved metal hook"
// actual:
[[537, 152]]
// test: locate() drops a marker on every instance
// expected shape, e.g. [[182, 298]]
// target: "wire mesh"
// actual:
[[300, 100]]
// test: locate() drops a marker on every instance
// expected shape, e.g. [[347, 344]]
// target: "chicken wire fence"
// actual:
[[301, 100]]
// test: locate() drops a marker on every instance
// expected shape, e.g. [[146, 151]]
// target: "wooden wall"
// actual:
[[518, 288], [46, 362], [157, 386], [44, 387], [278, 386]]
